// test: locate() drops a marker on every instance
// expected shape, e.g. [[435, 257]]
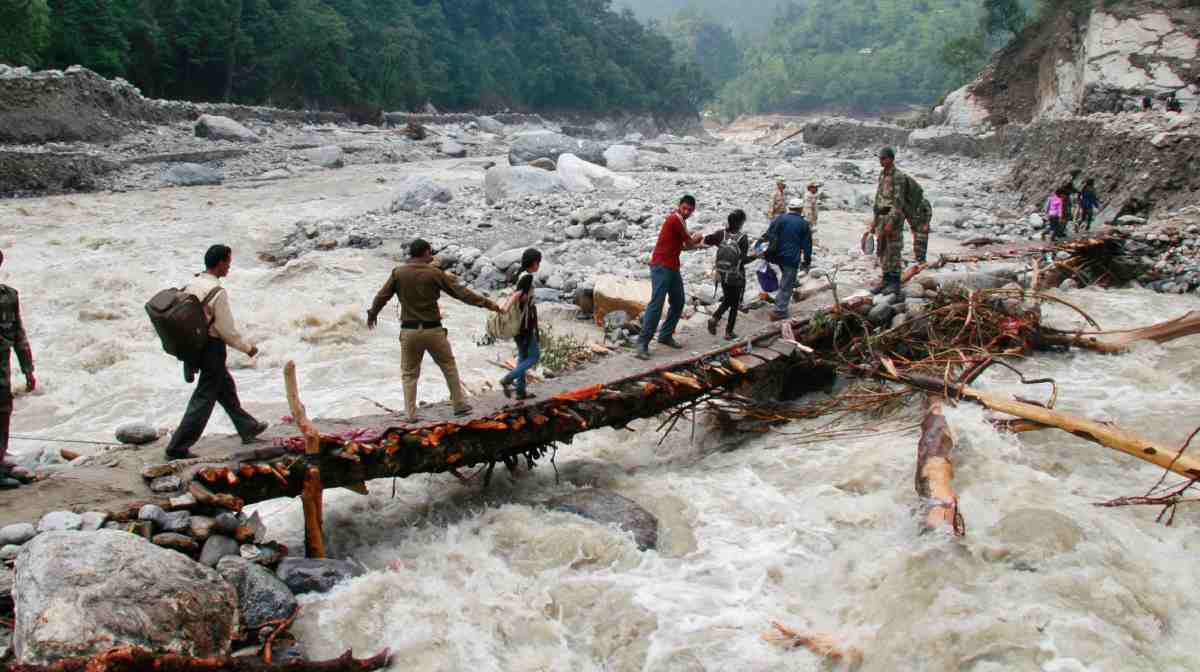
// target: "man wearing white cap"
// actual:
[[789, 244]]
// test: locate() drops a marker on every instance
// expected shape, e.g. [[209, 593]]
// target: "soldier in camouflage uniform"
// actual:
[[12, 337], [897, 195]]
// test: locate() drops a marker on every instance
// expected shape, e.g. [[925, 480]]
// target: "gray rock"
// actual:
[[547, 295], [490, 125], [527, 147], [82, 593], [508, 259], [330, 156], [881, 314], [226, 523], [417, 191], [192, 175], [544, 164], [579, 175], [587, 216], [137, 434], [608, 508], [201, 527], [302, 575], [154, 514], [621, 157], [610, 232], [216, 127], [17, 534], [165, 484], [793, 150], [453, 149], [9, 552], [59, 521], [177, 521], [262, 597], [93, 520], [217, 546], [576, 232], [501, 182], [899, 319]]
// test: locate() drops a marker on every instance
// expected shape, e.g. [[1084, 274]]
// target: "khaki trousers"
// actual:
[[414, 343]]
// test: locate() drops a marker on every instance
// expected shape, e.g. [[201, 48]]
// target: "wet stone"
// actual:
[[226, 523], [137, 434], [609, 508], [176, 521], [59, 521], [157, 470], [93, 520], [17, 534], [175, 541], [201, 527], [303, 575], [216, 547], [262, 597], [152, 514], [9, 552], [165, 484]]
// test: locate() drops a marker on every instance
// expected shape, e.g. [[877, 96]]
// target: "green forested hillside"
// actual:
[[743, 16], [529, 54], [861, 54]]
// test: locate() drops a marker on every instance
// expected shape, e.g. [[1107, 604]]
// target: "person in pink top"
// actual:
[[666, 281], [1054, 213]]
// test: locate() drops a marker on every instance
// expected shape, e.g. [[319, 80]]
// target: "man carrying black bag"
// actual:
[[216, 385]]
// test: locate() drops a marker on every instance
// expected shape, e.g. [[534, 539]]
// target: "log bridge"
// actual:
[[348, 453]]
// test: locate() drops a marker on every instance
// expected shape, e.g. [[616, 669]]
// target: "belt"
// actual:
[[417, 324]]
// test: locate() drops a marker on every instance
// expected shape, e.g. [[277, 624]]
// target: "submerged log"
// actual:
[[1104, 434], [821, 644], [1120, 341], [935, 471], [134, 659]]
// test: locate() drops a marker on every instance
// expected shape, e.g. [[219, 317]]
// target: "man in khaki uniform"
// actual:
[[12, 339], [418, 284], [779, 200]]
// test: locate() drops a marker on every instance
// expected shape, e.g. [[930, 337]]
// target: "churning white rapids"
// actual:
[[820, 536]]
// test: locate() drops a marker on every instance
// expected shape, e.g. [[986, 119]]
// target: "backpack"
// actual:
[[729, 257], [923, 216], [179, 320], [507, 324]]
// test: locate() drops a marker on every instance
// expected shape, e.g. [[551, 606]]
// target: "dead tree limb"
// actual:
[[1120, 341], [935, 471], [822, 644], [312, 494], [133, 659], [1106, 435]]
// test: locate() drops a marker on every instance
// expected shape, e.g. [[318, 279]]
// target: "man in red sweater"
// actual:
[[665, 279]]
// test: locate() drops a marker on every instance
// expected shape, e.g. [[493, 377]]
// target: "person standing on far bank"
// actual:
[[779, 199], [12, 337], [529, 349], [418, 285], [666, 280], [216, 384]]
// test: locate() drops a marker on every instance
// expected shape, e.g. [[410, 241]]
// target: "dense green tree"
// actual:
[[88, 32], [24, 31]]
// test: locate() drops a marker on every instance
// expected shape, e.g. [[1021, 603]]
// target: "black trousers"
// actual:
[[215, 386], [731, 300], [6, 407]]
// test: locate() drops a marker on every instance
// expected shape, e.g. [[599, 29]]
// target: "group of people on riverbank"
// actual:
[[1067, 205]]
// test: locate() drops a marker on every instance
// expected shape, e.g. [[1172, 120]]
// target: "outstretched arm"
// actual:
[[21, 345], [382, 297], [454, 287]]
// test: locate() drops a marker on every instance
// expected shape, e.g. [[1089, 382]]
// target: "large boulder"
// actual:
[[452, 149], [262, 597], [192, 175], [614, 293], [842, 132], [549, 145], [216, 127], [417, 191], [81, 593], [137, 433], [621, 157], [490, 125], [503, 182], [330, 156], [608, 508], [581, 176]]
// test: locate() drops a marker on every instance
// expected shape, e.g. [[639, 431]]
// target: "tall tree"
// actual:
[[24, 31]]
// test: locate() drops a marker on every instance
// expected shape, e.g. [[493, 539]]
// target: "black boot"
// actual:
[[891, 283]]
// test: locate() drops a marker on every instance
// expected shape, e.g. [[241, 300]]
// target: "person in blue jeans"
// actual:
[[666, 281], [792, 252], [529, 349]]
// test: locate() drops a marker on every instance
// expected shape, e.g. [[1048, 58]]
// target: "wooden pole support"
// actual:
[[312, 494], [935, 470]]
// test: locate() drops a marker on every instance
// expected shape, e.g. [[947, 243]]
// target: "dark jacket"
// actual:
[[795, 240]]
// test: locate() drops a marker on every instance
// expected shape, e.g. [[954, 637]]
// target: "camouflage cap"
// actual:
[[887, 152]]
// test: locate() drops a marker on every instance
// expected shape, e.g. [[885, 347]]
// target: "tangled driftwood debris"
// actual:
[[134, 659]]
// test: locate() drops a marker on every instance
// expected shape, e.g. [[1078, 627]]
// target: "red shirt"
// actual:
[[671, 239]]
